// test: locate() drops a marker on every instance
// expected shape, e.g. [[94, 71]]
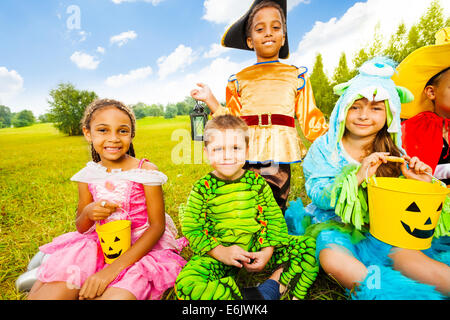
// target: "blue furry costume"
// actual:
[[338, 214]]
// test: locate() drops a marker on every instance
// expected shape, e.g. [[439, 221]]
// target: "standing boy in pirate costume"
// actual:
[[268, 96], [426, 73]]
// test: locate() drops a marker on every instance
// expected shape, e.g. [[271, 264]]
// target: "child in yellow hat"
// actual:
[[426, 73], [268, 96]]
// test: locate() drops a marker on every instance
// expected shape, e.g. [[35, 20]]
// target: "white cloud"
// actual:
[[221, 11], [153, 2], [100, 50], [215, 75], [84, 60], [355, 29], [123, 38], [215, 51], [11, 82], [177, 60], [132, 76], [83, 35]]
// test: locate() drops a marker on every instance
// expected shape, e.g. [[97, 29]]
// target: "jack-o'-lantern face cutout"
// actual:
[[114, 249], [405, 212], [114, 238], [420, 225]]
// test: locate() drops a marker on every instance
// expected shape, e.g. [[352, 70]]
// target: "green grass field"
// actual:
[[38, 201]]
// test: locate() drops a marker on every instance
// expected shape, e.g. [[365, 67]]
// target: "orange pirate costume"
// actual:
[[269, 96], [424, 130]]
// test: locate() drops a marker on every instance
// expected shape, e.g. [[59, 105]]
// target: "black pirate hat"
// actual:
[[235, 36]]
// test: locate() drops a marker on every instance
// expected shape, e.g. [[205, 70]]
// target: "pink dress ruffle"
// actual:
[[75, 256]]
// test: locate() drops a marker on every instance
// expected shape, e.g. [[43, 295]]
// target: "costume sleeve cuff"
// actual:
[[348, 199]]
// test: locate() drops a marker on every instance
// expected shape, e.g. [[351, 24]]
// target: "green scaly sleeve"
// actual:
[[274, 231], [194, 224]]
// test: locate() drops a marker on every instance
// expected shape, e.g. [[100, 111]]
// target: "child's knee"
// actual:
[[342, 266], [329, 262]]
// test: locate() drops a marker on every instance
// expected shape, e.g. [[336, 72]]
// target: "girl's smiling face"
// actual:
[[365, 118], [267, 34], [110, 134]]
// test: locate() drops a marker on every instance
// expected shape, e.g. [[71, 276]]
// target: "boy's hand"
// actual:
[[205, 95], [417, 170], [101, 210], [232, 255], [260, 260], [201, 94], [370, 164]]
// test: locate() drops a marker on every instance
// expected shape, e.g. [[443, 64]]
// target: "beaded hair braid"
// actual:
[[101, 104]]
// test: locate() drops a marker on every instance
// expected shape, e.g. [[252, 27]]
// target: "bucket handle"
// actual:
[[372, 177], [433, 178], [125, 211]]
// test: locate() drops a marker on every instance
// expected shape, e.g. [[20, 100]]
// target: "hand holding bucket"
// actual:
[[405, 212], [115, 238]]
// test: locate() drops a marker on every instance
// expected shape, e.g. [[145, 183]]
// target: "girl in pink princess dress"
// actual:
[[114, 186]]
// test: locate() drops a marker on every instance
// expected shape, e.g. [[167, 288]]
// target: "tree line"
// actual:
[[67, 105], [16, 119], [398, 47]]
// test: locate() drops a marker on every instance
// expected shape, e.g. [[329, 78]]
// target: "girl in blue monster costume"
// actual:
[[364, 133]]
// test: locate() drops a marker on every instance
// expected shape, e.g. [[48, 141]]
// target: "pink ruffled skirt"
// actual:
[[75, 256]]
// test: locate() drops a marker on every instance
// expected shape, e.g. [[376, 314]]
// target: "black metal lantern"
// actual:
[[198, 122]]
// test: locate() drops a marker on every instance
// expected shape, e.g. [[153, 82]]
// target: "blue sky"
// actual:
[[156, 50]]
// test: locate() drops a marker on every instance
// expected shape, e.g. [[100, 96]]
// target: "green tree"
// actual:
[[156, 110], [342, 72], [368, 51], [5, 117], [23, 118], [376, 47], [171, 111], [182, 108], [359, 58], [44, 118], [321, 87], [413, 40], [396, 47], [431, 22], [141, 110], [422, 33], [67, 107]]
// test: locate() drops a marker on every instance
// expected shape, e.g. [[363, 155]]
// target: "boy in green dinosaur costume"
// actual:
[[232, 221]]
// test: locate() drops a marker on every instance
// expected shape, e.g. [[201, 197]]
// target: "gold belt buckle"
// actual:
[[269, 120]]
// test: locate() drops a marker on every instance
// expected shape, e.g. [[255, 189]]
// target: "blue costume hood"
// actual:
[[374, 83], [326, 157]]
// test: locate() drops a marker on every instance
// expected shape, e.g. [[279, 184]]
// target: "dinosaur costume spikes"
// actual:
[[242, 212]]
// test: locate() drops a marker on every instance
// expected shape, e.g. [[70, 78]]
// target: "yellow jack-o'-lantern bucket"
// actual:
[[405, 212], [115, 238]]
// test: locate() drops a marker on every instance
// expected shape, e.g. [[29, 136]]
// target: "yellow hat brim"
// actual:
[[415, 71]]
